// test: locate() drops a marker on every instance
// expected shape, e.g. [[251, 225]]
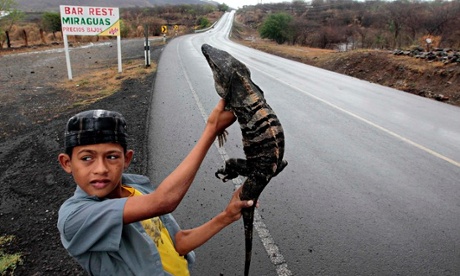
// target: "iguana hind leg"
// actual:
[[281, 167], [233, 168]]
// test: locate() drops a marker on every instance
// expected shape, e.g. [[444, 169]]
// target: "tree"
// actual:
[[223, 7], [6, 23], [7, 5], [298, 7], [9, 20], [203, 22], [277, 27], [51, 21]]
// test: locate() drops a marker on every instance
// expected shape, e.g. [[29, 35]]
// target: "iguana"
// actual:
[[263, 135]]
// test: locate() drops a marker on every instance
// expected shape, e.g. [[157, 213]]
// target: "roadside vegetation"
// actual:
[[22, 30], [8, 262], [348, 24], [359, 39], [326, 24]]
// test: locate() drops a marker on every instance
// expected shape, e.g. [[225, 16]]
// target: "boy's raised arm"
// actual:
[[171, 191]]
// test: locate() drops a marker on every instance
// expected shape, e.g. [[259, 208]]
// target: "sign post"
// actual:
[[80, 20], [147, 46], [164, 31]]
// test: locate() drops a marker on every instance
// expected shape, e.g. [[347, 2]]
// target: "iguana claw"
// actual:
[[222, 176], [222, 138]]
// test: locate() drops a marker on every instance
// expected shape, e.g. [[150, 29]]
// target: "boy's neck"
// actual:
[[119, 192]]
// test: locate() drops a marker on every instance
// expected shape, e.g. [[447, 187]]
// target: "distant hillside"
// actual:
[[53, 5]]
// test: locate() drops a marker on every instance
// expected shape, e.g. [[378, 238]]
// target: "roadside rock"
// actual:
[[442, 55]]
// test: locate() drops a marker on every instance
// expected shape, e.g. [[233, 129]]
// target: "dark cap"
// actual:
[[95, 127]]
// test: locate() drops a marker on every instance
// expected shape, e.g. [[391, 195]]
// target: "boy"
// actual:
[[115, 224]]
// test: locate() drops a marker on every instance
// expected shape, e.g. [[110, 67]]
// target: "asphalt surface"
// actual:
[[372, 182]]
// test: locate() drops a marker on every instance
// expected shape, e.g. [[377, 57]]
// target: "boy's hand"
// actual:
[[233, 210], [187, 240], [220, 118]]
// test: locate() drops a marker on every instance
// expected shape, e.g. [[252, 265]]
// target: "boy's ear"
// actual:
[[128, 158], [64, 161]]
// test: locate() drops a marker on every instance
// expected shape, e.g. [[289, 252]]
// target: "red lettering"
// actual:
[[73, 10], [93, 30], [95, 11], [101, 11]]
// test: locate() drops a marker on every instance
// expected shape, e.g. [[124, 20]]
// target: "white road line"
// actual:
[[270, 246]]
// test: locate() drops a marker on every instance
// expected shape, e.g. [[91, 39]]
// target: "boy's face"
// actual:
[[97, 168]]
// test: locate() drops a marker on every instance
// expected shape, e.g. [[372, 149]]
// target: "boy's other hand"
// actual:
[[233, 210]]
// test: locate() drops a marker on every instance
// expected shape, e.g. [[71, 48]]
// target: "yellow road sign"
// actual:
[[164, 29], [176, 27]]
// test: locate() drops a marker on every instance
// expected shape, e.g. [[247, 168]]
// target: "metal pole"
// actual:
[[119, 53]]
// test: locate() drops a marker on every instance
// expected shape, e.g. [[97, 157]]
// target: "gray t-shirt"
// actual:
[[92, 231]]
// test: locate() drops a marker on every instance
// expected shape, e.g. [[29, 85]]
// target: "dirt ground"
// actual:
[[37, 107], [33, 186]]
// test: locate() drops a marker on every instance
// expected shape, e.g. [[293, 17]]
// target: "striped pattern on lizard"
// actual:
[[263, 135]]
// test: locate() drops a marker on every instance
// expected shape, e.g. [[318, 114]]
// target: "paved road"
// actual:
[[372, 182]]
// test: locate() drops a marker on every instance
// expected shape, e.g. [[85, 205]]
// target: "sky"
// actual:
[[240, 3]]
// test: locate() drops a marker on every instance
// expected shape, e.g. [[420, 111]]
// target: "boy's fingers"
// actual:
[[221, 104], [246, 204]]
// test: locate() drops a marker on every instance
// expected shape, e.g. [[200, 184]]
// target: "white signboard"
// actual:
[[79, 20]]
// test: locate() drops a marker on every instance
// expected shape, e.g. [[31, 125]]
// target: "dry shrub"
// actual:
[[33, 35], [14, 32], [435, 41], [50, 37], [140, 31], [32, 32]]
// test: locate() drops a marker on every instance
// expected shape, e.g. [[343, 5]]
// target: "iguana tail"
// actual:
[[252, 188], [248, 219]]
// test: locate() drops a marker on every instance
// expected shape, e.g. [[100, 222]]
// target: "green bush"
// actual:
[[203, 22], [276, 27]]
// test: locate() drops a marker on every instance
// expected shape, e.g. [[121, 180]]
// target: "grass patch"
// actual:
[[8, 262]]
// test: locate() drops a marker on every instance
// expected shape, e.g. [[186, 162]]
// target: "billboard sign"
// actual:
[[80, 20]]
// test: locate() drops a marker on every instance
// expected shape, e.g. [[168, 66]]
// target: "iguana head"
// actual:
[[224, 68]]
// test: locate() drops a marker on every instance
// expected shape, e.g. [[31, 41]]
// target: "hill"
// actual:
[[53, 5], [430, 79]]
